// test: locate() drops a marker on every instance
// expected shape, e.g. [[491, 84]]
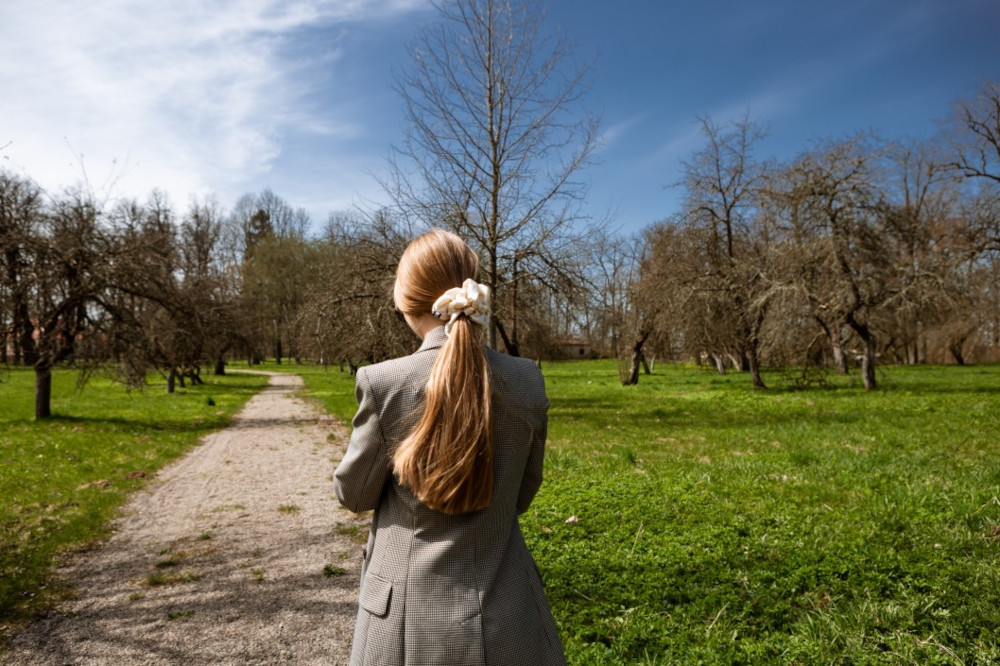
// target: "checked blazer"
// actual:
[[439, 589]]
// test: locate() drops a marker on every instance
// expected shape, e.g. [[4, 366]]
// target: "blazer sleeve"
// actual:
[[532, 479], [364, 469]]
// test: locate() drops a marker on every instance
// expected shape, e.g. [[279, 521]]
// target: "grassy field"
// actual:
[[710, 523], [62, 479], [717, 525]]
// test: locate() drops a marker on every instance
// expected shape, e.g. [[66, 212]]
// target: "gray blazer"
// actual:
[[438, 589]]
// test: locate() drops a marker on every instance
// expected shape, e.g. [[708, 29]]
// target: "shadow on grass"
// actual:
[[665, 414], [937, 388], [134, 425]]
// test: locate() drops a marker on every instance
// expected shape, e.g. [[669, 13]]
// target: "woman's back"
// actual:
[[447, 449], [449, 589]]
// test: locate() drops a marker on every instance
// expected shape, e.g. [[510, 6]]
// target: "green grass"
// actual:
[[719, 525], [61, 480], [715, 524], [722, 525]]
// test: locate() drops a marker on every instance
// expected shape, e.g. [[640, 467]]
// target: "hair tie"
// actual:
[[471, 299]]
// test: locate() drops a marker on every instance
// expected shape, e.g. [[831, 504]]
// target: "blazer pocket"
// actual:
[[375, 595]]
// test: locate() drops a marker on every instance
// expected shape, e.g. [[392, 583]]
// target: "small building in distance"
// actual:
[[570, 348]]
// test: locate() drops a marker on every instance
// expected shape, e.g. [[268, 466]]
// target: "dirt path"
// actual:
[[236, 554]]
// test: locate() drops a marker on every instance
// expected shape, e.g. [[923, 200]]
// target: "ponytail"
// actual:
[[447, 460]]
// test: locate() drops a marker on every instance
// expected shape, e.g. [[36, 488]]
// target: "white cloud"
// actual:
[[615, 132], [191, 96]]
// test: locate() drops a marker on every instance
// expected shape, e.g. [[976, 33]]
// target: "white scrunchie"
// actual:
[[471, 299]]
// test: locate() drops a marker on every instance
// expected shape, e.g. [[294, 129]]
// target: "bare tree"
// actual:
[[226, 326], [172, 290], [348, 310], [20, 216], [977, 158], [493, 146], [927, 240], [673, 288], [839, 255], [722, 185], [622, 316], [978, 154], [73, 256]]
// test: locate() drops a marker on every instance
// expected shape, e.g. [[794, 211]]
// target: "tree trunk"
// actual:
[[26, 350], [955, 347], [754, 366], [633, 371], [220, 367], [171, 380], [839, 358], [836, 345], [868, 364], [868, 360], [751, 350], [43, 391], [511, 345], [720, 362], [491, 335]]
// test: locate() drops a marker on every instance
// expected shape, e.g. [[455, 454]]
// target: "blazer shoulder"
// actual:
[[518, 379], [523, 368], [390, 375]]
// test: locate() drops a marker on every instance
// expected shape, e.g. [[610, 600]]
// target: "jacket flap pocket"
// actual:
[[375, 594]]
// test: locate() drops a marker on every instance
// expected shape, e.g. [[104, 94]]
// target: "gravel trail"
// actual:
[[236, 554]]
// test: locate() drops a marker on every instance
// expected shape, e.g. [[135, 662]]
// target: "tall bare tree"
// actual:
[[920, 220], [216, 283], [494, 143], [840, 256], [722, 186], [625, 302]]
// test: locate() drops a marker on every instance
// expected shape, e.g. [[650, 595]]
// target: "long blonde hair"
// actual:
[[447, 459]]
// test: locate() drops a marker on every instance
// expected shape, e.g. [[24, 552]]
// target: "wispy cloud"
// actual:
[[188, 95], [617, 131]]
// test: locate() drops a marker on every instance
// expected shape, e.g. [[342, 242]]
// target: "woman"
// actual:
[[447, 449]]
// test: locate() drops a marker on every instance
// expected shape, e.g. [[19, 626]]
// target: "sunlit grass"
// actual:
[[725, 525], [716, 524]]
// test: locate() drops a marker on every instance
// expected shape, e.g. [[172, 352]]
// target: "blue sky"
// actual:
[[227, 97]]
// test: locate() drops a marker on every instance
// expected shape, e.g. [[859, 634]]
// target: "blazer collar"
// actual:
[[434, 339]]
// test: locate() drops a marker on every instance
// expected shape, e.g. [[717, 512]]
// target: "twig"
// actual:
[[716, 618], [638, 532], [944, 648]]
